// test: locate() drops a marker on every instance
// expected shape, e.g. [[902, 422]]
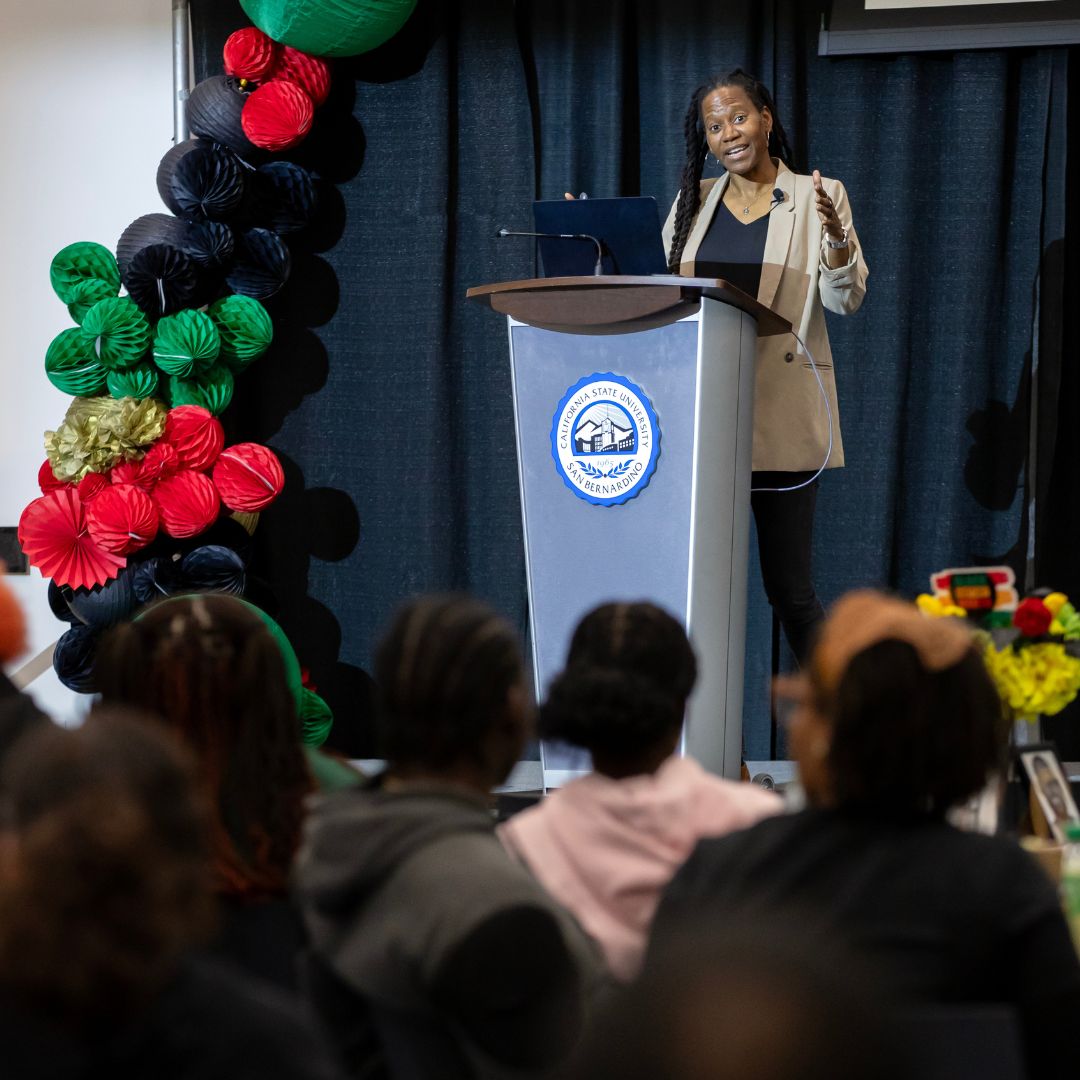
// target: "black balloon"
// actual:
[[155, 578], [209, 243], [214, 568], [58, 604], [161, 279], [286, 199], [201, 181], [261, 265], [73, 658], [104, 605], [146, 230], [213, 112]]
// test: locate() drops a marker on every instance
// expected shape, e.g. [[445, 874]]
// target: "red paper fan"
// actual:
[[91, 486], [249, 477], [126, 472], [46, 478], [250, 54], [197, 435], [161, 460], [54, 537], [277, 115], [122, 519], [187, 503], [310, 73]]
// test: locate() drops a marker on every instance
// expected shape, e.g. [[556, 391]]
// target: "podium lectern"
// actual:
[[633, 408]]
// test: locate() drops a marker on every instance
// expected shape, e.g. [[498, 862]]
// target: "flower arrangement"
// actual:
[[1031, 646]]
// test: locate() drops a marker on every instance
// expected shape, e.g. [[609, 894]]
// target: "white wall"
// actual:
[[86, 116]]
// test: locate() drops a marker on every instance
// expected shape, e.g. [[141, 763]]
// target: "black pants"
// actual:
[[785, 529]]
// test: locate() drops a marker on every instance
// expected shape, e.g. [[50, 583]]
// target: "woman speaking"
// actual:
[[788, 240]]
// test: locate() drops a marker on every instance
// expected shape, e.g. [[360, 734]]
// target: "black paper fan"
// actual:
[[104, 605], [214, 110], [286, 199], [214, 568], [161, 279], [146, 230], [73, 658], [201, 181], [261, 266]]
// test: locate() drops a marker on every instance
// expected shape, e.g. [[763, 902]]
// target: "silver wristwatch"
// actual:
[[836, 244]]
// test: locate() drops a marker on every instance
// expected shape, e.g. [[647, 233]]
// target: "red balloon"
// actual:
[[249, 477], [197, 435], [91, 486], [127, 472], [277, 115], [310, 73], [250, 54], [161, 460], [46, 478], [187, 503], [122, 519]]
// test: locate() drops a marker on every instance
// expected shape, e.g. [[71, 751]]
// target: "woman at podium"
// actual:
[[788, 240]]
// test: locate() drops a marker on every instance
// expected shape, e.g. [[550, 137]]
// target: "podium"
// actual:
[[633, 410]]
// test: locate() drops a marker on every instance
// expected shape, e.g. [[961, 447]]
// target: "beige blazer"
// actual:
[[791, 423]]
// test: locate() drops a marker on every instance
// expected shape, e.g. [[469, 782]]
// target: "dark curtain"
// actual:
[[389, 394]]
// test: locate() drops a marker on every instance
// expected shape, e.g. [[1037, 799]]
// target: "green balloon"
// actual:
[[85, 294], [329, 27], [117, 332], [186, 344], [213, 391], [316, 719], [244, 327], [84, 259], [140, 382], [71, 365]]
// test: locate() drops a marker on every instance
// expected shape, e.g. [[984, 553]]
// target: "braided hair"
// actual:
[[444, 670], [689, 200], [209, 667], [627, 678]]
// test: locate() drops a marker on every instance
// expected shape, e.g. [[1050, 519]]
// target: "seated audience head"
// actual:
[[754, 1000], [210, 668], [12, 623], [18, 713], [623, 693], [105, 877], [896, 714], [452, 697]]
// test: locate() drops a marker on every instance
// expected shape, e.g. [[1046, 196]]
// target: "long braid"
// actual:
[[690, 191], [689, 201]]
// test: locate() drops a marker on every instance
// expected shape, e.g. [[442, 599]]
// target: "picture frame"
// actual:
[[1048, 783]]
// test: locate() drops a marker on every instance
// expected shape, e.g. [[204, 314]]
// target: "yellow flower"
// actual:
[[1055, 602], [1041, 678], [936, 608]]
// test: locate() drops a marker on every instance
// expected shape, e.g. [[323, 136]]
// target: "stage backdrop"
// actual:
[[389, 396]]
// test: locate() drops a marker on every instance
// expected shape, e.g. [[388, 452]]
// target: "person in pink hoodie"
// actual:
[[606, 844]]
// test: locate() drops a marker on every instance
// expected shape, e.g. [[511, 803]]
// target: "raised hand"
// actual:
[[830, 220]]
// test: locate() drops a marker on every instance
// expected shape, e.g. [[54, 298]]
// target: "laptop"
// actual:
[[628, 230]]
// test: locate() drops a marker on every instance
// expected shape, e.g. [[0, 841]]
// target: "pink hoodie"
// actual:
[[605, 849]]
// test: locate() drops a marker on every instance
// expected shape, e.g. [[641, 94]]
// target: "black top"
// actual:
[[942, 915], [733, 250]]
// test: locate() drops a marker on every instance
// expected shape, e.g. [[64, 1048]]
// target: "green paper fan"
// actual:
[[316, 718], [117, 331], [245, 328], [72, 366], [186, 344], [139, 382], [213, 391], [85, 294], [79, 261]]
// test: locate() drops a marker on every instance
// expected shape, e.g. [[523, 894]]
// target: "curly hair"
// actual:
[[209, 667], [444, 670], [628, 674], [109, 882], [907, 741], [689, 198]]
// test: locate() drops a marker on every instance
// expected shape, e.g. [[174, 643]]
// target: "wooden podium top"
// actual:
[[611, 304]]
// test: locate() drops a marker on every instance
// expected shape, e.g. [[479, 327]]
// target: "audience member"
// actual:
[[745, 1001], [606, 845], [894, 722], [18, 713], [105, 895], [430, 946], [209, 667]]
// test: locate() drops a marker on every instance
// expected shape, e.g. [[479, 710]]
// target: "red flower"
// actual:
[[1032, 618]]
